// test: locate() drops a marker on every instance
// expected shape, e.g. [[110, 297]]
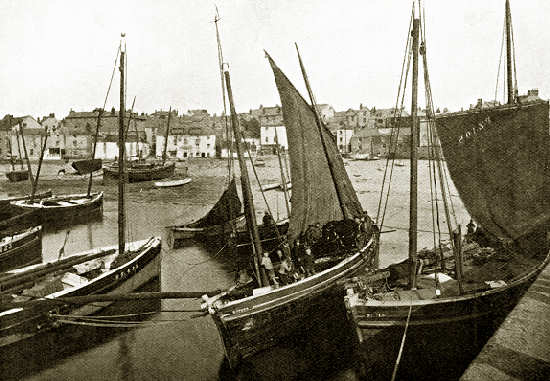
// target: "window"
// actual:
[[267, 139], [208, 145], [184, 140], [31, 152], [197, 141]]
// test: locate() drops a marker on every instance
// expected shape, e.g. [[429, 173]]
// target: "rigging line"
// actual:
[[513, 56], [397, 134], [396, 105], [402, 344], [500, 57], [276, 228]]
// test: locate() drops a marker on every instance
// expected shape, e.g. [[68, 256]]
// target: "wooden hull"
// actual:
[[172, 183], [141, 172], [21, 324], [177, 234], [65, 210], [447, 333], [83, 167], [256, 323], [21, 250], [16, 176], [5, 202]]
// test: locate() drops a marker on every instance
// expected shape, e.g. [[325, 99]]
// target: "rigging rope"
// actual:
[[402, 344], [500, 56], [394, 138]]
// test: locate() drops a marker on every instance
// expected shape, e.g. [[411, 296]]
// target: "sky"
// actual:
[[58, 55]]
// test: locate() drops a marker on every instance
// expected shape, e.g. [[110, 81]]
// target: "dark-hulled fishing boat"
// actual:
[[84, 167], [17, 175], [431, 314], [65, 209], [141, 171], [14, 219], [21, 249], [122, 269], [322, 193]]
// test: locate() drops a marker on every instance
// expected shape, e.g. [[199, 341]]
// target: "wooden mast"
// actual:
[[509, 83], [413, 215], [283, 177], [100, 113], [166, 136], [229, 139], [250, 213], [35, 182], [19, 145], [9, 144], [121, 157], [26, 155]]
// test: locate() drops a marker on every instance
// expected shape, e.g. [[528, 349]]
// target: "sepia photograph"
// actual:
[[274, 190]]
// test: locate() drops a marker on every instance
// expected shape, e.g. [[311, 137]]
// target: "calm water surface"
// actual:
[[178, 345]]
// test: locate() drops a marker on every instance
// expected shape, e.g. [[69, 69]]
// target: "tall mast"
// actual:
[[18, 145], [166, 136], [320, 126], [283, 178], [509, 82], [227, 128], [121, 154], [94, 148], [9, 144], [250, 213], [138, 151], [31, 178], [413, 217]]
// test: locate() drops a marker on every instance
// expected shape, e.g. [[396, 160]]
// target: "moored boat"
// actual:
[[17, 175], [65, 209], [262, 316], [105, 271], [21, 249], [172, 183], [142, 171], [83, 167], [443, 304]]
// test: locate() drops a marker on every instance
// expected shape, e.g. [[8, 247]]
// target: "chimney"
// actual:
[[52, 114], [533, 92], [113, 111], [479, 103]]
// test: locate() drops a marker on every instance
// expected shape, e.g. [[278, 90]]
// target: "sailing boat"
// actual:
[[441, 305], [59, 210], [15, 175], [113, 269], [255, 320], [226, 215], [142, 170]]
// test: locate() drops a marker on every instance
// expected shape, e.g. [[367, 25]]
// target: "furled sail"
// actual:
[[319, 194], [498, 160], [228, 206]]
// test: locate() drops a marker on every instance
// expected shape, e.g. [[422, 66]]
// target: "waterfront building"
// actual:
[[189, 136], [79, 131]]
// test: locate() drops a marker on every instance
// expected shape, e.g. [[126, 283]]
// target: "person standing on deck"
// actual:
[[268, 266]]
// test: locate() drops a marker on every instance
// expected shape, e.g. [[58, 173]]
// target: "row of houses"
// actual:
[[198, 134]]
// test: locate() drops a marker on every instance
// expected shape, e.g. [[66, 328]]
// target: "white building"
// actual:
[[267, 136], [185, 142]]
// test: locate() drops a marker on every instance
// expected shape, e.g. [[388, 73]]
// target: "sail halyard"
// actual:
[[283, 178], [314, 196], [247, 192]]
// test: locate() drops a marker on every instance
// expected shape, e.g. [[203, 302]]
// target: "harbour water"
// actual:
[[180, 345]]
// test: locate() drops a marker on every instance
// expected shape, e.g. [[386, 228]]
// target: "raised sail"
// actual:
[[317, 196], [498, 160], [228, 206]]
